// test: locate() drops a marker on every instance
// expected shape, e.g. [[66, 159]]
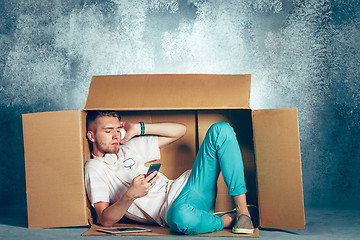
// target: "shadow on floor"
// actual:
[[14, 216]]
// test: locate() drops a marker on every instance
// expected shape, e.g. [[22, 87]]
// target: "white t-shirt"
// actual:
[[108, 178]]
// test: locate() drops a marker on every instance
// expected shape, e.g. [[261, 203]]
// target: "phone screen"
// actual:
[[152, 168]]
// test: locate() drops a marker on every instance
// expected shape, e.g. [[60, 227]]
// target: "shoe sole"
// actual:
[[243, 230]]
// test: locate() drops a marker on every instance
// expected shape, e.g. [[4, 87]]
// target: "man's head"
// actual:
[[103, 132]]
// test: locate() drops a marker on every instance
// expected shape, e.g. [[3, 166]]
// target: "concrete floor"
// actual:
[[320, 224]]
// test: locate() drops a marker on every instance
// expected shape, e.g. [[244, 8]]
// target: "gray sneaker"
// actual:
[[243, 224]]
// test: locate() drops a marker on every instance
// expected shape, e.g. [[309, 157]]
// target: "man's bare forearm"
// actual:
[[167, 132], [115, 212], [171, 130]]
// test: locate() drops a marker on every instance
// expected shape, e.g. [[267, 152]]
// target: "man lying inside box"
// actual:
[[117, 186]]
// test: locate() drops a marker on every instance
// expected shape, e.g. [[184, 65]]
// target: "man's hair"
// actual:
[[93, 115]]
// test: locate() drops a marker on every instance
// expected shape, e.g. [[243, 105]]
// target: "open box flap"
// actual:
[[168, 92], [54, 169], [278, 166]]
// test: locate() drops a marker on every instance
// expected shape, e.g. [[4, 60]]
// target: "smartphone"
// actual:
[[123, 230], [152, 168]]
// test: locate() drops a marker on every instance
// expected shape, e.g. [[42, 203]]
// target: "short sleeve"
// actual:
[[148, 147], [96, 186]]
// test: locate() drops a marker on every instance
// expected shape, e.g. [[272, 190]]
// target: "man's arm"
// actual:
[[109, 215], [167, 132]]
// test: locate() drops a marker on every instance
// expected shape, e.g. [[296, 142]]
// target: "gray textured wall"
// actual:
[[302, 54]]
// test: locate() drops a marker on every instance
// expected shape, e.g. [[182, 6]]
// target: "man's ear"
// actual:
[[91, 136]]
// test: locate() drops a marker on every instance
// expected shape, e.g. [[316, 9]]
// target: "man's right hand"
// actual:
[[140, 186]]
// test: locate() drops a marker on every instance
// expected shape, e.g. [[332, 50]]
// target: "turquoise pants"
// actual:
[[220, 150]]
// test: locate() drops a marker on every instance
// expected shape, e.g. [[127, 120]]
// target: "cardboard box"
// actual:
[[56, 148]]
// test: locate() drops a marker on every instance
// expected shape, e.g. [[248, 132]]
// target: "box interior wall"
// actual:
[[179, 156]]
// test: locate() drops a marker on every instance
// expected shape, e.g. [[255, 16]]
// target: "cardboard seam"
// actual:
[[26, 173], [196, 113], [256, 166], [82, 152], [300, 166]]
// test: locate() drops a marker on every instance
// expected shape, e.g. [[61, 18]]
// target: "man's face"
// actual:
[[107, 135]]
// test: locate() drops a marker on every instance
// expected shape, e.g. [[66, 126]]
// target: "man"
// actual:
[[116, 184]]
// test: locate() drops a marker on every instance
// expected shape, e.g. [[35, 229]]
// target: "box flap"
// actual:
[[278, 166], [54, 169], [168, 92]]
